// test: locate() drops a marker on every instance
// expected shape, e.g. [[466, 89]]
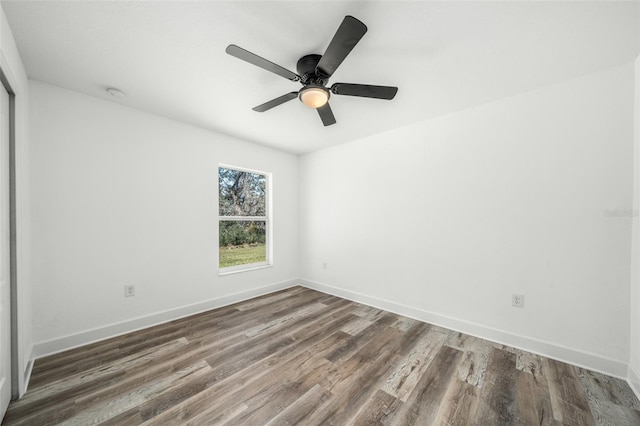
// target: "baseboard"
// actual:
[[633, 378], [552, 350], [26, 377], [71, 341]]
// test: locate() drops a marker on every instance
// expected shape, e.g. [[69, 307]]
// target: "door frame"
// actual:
[[13, 263]]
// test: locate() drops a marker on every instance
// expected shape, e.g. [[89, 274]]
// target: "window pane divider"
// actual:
[[245, 218]]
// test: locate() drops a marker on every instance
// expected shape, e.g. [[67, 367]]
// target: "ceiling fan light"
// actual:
[[314, 97]]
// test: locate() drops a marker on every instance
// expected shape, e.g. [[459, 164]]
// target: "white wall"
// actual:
[[13, 69], [634, 358], [445, 219], [121, 197], [633, 374]]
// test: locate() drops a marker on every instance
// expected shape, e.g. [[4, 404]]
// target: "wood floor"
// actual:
[[304, 357]]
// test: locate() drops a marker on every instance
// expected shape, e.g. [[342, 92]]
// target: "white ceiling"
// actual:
[[169, 57]]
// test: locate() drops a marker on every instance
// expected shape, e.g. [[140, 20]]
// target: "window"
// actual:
[[243, 219]]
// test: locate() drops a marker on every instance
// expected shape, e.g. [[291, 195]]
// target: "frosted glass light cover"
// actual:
[[314, 97]]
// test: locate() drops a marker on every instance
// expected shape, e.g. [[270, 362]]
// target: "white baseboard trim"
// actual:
[[71, 341], [26, 377], [633, 378], [552, 350]]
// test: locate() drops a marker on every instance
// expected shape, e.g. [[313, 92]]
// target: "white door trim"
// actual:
[[13, 289]]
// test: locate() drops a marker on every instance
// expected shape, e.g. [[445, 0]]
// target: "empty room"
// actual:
[[451, 238]]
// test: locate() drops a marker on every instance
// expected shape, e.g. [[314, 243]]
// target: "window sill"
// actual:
[[231, 270]]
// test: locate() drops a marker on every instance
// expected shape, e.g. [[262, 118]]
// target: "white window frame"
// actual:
[[268, 218]]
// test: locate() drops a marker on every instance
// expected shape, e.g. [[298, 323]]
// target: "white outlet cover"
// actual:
[[517, 300]]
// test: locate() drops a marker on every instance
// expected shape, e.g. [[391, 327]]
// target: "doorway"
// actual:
[[7, 288]]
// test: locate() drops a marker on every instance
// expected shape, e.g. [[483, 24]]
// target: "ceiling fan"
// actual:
[[315, 70]]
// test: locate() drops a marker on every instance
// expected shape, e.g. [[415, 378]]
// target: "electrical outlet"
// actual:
[[324, 266], [129, 290], [517, 300]]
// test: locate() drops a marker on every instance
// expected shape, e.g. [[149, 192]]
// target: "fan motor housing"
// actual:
[[306, 67]]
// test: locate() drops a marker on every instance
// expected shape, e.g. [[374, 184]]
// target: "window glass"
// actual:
[[241, 193], [242, 242]]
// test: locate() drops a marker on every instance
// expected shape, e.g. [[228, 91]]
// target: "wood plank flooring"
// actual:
[[303, 357]]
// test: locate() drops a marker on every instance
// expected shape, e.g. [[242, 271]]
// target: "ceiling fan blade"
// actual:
[[258, 61], [348, 35], [275, 102], [326, 115], [364, 90]]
